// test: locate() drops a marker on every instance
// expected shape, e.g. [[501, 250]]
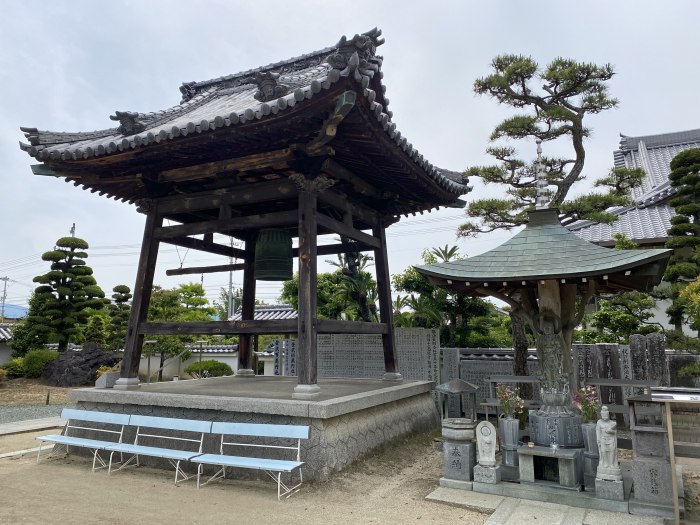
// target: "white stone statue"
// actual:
[[606, 436], [486, 444]]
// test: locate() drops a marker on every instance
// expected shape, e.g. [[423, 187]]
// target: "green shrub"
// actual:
[[2, 375], [210, 368], [36, 360], [14, 368]]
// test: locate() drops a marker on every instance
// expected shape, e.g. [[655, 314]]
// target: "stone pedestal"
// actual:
[[509, 429], [460, 459], [612, 490], [568, 471], [107, 379], [490, 475], [652, 482], [590, 455]]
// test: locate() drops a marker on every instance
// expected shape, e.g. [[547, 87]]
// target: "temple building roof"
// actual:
[[545, 249], [648, 220], [330, 102]]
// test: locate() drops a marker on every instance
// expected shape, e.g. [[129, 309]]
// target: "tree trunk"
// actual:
[[520, 345], [162, 362]]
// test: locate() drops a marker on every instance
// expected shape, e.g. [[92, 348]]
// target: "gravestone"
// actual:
[[608, 367], [450, 370], [657, 364], [638, 353]]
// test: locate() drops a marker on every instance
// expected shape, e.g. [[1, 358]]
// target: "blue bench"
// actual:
[[150, 429], [78, 422], [272, 467]]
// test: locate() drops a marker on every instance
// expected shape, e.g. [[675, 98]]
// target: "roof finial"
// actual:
[[541, 183]]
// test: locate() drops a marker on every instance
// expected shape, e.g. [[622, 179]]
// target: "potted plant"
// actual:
[[587, 401]]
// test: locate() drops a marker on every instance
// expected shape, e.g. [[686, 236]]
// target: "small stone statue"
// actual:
[[486, 444], [606, 436]]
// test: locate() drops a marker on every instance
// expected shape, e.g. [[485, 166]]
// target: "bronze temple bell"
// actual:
[[273, 255]]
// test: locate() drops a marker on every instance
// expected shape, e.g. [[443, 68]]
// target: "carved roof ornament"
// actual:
[[365, 45], [269, 86], [130, 123], [144, 206], [317, 185]]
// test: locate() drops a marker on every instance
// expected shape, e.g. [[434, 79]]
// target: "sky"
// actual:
[[66, 65]]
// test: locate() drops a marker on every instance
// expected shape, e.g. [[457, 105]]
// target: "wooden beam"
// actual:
[[245, 343], [342, 203], [344, 229], [215, 248], [386, 309], [258, 160], [331, 326], [278, 326], [237, 196], [206, 269], [307, 321], [251, 222], [338, 171], [142, 296]]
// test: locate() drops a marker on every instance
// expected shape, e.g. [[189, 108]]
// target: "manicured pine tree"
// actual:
[[556, 99], [684, 265], [119, 313], [67, 291]]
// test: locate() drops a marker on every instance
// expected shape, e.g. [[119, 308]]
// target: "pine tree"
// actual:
[[96, 330], [558, 99], [68, 291], [119, 313], [684, 265]]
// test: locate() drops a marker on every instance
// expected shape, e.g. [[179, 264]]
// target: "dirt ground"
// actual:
[[386, 488], [24, 391]]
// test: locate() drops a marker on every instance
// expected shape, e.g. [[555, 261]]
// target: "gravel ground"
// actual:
[[10, 414]]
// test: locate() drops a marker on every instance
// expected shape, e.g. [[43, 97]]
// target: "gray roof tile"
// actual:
[[650, 217]]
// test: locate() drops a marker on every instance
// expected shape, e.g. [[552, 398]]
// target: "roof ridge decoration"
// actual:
[[269, 86], [129, 121], [337, 57]]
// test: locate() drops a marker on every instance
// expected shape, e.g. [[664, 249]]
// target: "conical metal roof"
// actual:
[[543, 250]]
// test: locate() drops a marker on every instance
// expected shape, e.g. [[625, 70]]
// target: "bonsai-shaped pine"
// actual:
[[553, 103], [119, 312], [684, 265], [68, 291]]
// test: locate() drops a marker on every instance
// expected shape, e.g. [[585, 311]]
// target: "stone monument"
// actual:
[[608, 480], [459, 453], [486, 471]]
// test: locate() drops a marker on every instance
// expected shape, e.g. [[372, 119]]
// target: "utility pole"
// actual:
[[230, 286], [4, 296]]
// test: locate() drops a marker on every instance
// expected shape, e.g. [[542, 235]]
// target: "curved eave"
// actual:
[[66, 150]]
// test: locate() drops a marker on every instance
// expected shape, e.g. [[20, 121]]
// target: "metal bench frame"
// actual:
[[272, 467], [146, 427], [74, 417]]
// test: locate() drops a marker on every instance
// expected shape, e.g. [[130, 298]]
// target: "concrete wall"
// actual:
[[342, 430], [5, 353]]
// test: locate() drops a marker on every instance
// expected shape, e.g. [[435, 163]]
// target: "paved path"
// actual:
[[31, 425], [516, 511]]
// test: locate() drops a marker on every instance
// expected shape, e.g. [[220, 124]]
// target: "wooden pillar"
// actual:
[[386, 311], [245, 341], [129, 374], [307, 386]]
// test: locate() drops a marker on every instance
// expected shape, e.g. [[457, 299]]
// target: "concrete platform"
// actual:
[[516, 511], [349, 419]]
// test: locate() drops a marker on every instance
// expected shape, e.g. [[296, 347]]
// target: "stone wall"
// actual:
[[362, 356], [334, 442]]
